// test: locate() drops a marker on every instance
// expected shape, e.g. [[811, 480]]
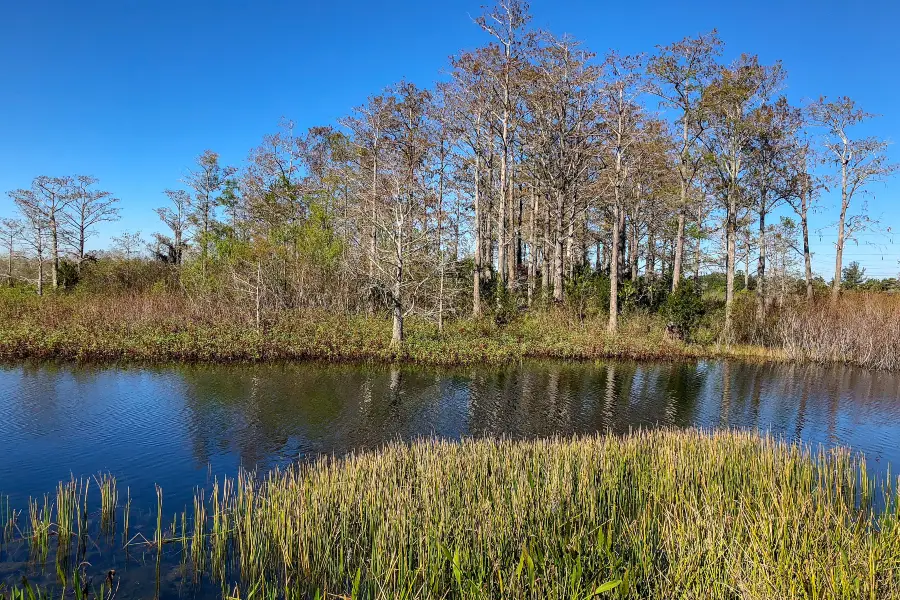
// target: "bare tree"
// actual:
[[86, 208], [36, 228], [46, 201], [128, 244], [207, 180], [467, 99], [369, 127], [622, 115], [175, 218], [680, 73], [860, 161], [505, 22], [10, 232], [400, 215], [729, 103]]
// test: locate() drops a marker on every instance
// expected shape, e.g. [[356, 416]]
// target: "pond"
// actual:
[[182, 426]]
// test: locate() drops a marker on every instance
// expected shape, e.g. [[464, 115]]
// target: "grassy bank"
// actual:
[[861, 328], [651, 515], [166, 327]]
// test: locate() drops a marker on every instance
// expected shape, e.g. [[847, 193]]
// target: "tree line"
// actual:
[[533, 167]]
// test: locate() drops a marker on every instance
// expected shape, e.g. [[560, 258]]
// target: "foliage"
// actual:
[[684, 309], [852, 276]]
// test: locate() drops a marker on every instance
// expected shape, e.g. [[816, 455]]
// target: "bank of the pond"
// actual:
[[321, 336], [669, 514]]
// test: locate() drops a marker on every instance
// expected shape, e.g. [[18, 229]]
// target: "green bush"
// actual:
[[684, 309]]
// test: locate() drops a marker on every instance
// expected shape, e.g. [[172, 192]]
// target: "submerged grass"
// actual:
[[664, 514]]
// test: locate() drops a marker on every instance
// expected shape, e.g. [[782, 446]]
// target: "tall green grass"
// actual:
[[665, 514]]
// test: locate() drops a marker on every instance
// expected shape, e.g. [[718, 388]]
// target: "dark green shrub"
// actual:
[[684, 309]]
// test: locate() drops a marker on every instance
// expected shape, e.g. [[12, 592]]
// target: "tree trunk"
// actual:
[[476, 277], [621, 243], [613, 323], [9, 263], [731, 244], [397, 300], [54, 249], [804, 225], [512, 256], [761, 264], [633, 249], [373, 234], [839, 258], [501, 216], [532, 246], [679, 243], [682, 173], [440, 242], [545, 251], [698, 256], [747, 262], [558, 250]]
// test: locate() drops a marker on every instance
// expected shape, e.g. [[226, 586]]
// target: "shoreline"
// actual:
[[207, 345]]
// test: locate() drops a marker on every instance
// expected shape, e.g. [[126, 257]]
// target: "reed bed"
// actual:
[[664, 514], [860, 328]]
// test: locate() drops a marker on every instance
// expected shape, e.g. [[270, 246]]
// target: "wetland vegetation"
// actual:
[[667, 514]]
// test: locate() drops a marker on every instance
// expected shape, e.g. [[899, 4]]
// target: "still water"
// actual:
[[180, 426]]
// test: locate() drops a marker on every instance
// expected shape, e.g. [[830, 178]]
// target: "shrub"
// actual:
[[684, 308]]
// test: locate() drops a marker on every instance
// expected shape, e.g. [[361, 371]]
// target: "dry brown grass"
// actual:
[[860, 328]]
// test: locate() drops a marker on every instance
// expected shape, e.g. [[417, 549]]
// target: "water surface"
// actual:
[[179, 426]]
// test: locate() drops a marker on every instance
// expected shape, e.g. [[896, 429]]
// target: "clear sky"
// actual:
[[131, 92]]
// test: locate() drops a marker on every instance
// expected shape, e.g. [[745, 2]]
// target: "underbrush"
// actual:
[[860, 328], [167, 326]]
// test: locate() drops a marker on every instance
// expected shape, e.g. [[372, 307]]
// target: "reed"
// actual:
[[9, 517], [40, 521], [651, 515], [109, 501], [167, 328], [126, 517], [860, 328], [663, 514]]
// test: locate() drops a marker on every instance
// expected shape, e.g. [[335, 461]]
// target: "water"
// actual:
[[180, 426], [177, 426]]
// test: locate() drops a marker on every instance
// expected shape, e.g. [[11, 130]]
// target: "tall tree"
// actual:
[[86, 208], [400, 215], [175, 217], [206, 180], [10, 232], [622, 116], [506, 22], [772, 153], [33, 209], [679, 74], [729, 104], [467, 98], [859, 161]]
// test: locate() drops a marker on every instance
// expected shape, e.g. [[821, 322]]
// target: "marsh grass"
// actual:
[[664, 514], [166, 327], [860, 328]]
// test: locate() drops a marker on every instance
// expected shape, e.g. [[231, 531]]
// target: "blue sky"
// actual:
[[131, 92]]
